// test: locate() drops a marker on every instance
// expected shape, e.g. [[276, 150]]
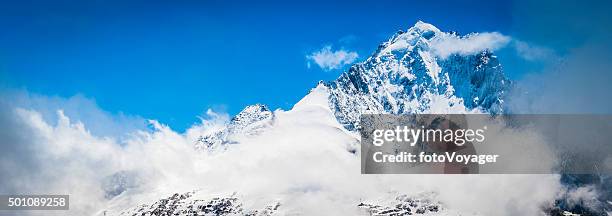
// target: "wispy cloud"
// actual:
[[328, 59], [448, 44], [470, 44], [532, 52]]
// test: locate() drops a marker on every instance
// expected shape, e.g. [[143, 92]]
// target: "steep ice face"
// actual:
[[405, 75], [250, 121]]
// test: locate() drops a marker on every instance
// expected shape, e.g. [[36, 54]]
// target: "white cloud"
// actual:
[[532, 52], [79, 108], [447, 44], [328, 59], [302, 161]]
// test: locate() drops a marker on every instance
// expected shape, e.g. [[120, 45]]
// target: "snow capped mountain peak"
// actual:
[[252, 120], [423, 28], [405, 75], [417, 36], [250, 116]]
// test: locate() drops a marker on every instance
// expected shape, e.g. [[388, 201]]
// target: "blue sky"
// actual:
[[171, 61]]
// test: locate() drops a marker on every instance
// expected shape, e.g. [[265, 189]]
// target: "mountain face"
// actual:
[[405, 76]]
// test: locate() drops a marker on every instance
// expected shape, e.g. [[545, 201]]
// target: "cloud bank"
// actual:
[[302, 161], [80, 108]]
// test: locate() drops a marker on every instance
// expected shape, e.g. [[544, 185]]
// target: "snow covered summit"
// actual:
[[405, 75]]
